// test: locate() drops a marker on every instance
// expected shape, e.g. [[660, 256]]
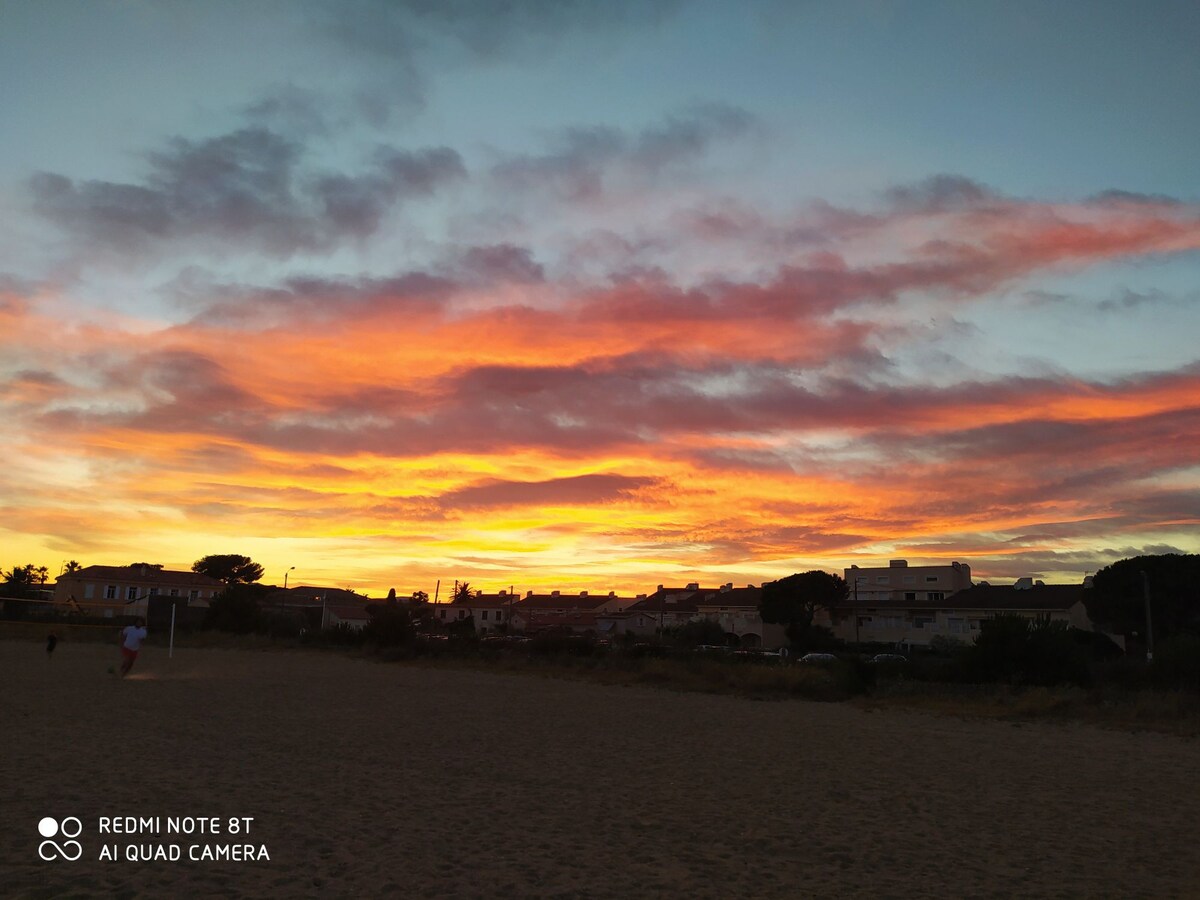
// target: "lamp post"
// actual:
[[285, 577]]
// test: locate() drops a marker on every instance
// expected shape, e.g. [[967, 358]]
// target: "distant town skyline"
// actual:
[[599, 295]]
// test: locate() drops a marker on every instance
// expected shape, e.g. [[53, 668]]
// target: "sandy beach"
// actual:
[[364, 778]]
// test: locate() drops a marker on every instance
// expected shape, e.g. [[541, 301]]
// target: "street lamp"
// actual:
[[285, 577]]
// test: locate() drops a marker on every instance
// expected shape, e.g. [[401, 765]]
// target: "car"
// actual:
[[820, 658], [889, 658]]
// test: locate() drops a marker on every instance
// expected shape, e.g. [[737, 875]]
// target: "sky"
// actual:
[[598, 295]]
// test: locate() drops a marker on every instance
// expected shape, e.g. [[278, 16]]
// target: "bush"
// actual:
[[700, 631], [235, 610], [1020, 651], [389, 626], [1176, 663]]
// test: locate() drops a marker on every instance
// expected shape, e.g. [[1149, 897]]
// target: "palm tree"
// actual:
[[71, 568], [42, 574], [462, 592]]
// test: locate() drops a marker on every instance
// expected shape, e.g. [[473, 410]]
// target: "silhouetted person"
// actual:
[[51, 643], [131, 642]]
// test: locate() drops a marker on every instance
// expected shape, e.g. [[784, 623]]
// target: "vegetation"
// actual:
[[236, 609], [1116, 601], [229, 568], [793, 601]]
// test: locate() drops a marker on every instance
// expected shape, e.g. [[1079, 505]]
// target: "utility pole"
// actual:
[[857, 645], [1149, 623]]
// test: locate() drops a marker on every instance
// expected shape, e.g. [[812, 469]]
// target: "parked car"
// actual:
[[820, 658], [889, 658]]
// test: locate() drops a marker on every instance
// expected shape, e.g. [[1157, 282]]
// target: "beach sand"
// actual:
[[366, 779]]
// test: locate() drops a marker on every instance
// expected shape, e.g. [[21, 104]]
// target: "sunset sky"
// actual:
[[599, 295]]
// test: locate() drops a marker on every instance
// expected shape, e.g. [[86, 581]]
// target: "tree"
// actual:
[[229, 568], [419, 597], [71, 568], [462, 592], [794, 600], [1116, 601], [19, 580]]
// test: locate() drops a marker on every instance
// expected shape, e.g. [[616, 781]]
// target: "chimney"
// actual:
[[727, 587], [583, 593], [693, 586], [554, 593], [1023, 584]]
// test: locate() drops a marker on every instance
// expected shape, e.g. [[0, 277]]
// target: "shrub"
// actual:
[[1016, 650], [390, 625], [235, 609], [1177, 663]]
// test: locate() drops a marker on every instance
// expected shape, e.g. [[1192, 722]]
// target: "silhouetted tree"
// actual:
[[71, 568], [419, 597], [794, 600], [229, 568], [19, 580], [462, 592], [1116, 603]]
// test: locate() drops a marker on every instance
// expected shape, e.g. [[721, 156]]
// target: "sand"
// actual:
[[365, 779]]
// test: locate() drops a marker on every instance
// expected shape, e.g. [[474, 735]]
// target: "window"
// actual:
[[881, 579], [957, 626], [174, 592], [923, 622], [110, 592], [153, 592], [89, 591], [910, 596], [483, 615], [910, 579], [935, 595], [442, 614], [193, 594], [931, 579], [131, 593]]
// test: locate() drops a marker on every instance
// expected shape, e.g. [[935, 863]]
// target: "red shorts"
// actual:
[[130, 655]]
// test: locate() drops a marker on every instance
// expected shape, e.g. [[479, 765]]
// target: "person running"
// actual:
[[131, 642]]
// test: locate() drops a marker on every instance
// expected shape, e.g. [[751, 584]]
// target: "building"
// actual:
[[579, 612], [126, 590], [487, 612], [959, 616], [736, 610], [899, 582]]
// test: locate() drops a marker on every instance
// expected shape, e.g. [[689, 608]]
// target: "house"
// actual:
[[579, 612], [900, 582], [667, 607], [125, 590], [960, 616], [353, 615], [487, 612], [736, 611]]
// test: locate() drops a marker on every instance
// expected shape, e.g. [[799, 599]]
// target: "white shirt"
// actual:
[[134, 636]]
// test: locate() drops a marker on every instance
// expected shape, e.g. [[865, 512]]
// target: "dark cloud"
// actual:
[[940, 193], [403, 29], [580, 490], [498, 263], [584, 158], [1132, 198], [242, 188]]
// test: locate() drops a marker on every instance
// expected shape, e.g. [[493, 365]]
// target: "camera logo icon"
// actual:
[[68, 828]]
